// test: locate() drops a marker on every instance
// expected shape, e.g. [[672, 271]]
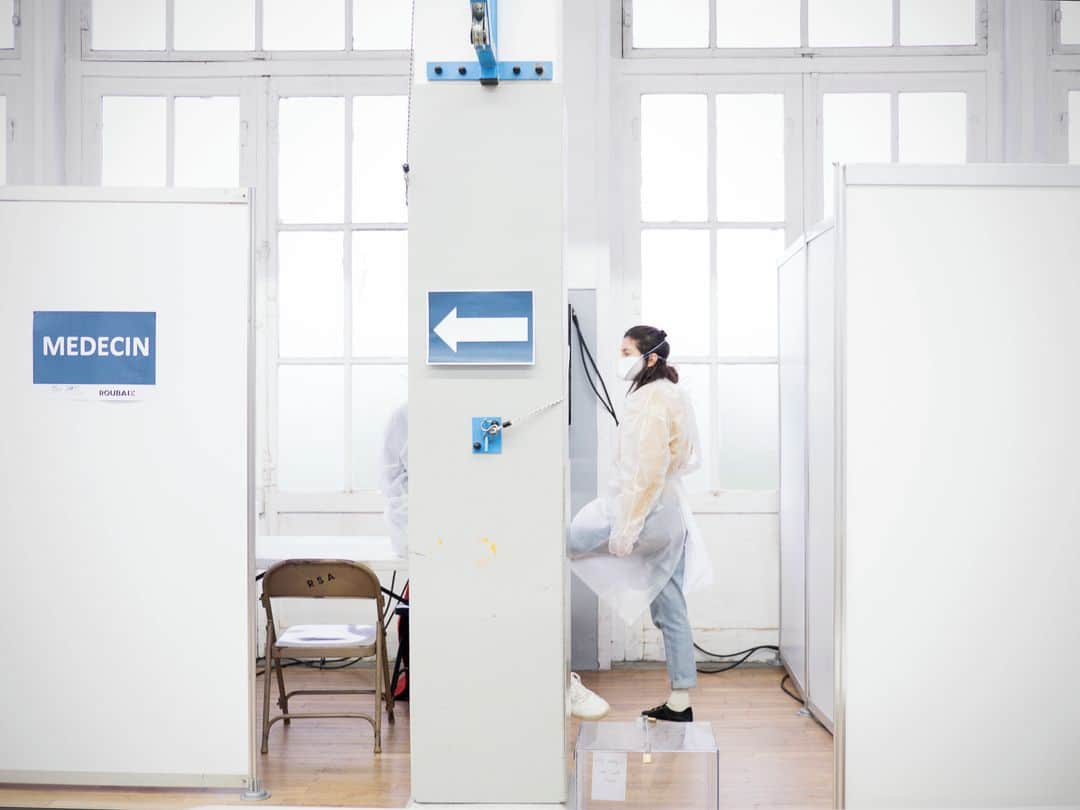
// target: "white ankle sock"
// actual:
[[679, 700]]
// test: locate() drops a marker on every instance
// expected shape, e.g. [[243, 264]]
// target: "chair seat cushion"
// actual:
[[327, 635]]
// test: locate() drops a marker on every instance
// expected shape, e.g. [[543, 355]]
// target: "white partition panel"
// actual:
[[125, 582], [791, 292], [960, 289], [821, 450], [489, 641]]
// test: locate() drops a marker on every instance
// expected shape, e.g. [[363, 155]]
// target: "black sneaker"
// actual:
[[669, 715]]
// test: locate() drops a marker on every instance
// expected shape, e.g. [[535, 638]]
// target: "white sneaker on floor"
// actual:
[[584, 703]]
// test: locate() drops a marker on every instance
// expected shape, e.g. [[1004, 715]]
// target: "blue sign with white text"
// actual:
[[95, 348], [480, 327]]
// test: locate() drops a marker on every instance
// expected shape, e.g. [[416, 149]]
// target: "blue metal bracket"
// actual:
[[471, 71], [486, 435], [488, 70]]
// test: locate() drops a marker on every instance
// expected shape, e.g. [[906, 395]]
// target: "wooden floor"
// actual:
[[769, 757]]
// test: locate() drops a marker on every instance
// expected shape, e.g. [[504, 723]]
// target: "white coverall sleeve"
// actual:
[[643, 468], [394, 477]]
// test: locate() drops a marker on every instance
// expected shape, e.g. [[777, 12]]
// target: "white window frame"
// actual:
[[349, 501], [1063, 83], [259, 79], [1056, 45], [9, 89], [976, 72], [628, 277], [973, 85], [96, 89], [980, 47], [257, 54], [15, 53]]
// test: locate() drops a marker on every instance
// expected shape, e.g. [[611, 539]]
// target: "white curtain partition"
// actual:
[[125, 499]]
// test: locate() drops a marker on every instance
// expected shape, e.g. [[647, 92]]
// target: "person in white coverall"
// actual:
[[638, 545], [394, 478]]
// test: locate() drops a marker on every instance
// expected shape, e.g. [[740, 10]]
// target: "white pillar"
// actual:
[[488, 626]]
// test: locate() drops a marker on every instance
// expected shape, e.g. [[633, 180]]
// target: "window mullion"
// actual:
[[348, 262], [714, 285], [712, 25], [170, 140], [258, 26], [170, 28], [348, 45], [894, 113], [896, 23], [804, 24]]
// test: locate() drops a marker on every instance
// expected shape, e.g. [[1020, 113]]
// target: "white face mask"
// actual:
[[629, 367]]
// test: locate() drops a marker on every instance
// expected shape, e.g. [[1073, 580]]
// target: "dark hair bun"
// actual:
[[663, 335]]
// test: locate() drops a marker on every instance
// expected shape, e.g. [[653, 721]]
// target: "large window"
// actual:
[[733, 25], [182, 27], [342, 273], [728, 164], [719, 196], [170, 140], [306, 103]]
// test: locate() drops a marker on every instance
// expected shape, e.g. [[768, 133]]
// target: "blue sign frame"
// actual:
[[481, 327], [95, 348]]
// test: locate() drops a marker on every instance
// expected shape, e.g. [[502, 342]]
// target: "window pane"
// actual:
[[7, 30], [695, 379], [311, 428], [857, 129], [378, 152], [1070, 23], [746, 292], [314, 25], [776, 24], [750, 158], [311, 166], [377, 392], [380, 284], [311, 295], [207, 142], [381, 26], [933, 127], [937, 22], [674, 158], [842, 23], [128, 25], [3, 141], [214, 25], [749, 419], [671, 23], [132, 141], [674, 285], [1074, 127]]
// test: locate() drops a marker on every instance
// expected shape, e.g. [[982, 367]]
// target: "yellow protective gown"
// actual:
[[626, 544]]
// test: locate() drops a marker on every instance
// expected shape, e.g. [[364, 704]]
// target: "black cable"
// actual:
[[701, 649], [592, 361], [790, 694], [587, 361], [730, 664]]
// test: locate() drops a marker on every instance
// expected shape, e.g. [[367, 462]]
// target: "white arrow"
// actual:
[[453, 330]]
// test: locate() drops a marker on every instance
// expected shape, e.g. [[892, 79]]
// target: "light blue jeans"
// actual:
[[668, 609]]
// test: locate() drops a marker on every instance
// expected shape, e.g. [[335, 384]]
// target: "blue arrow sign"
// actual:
[[480, 327]]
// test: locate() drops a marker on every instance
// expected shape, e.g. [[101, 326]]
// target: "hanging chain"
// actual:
[[531, 414], [408, 113]]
